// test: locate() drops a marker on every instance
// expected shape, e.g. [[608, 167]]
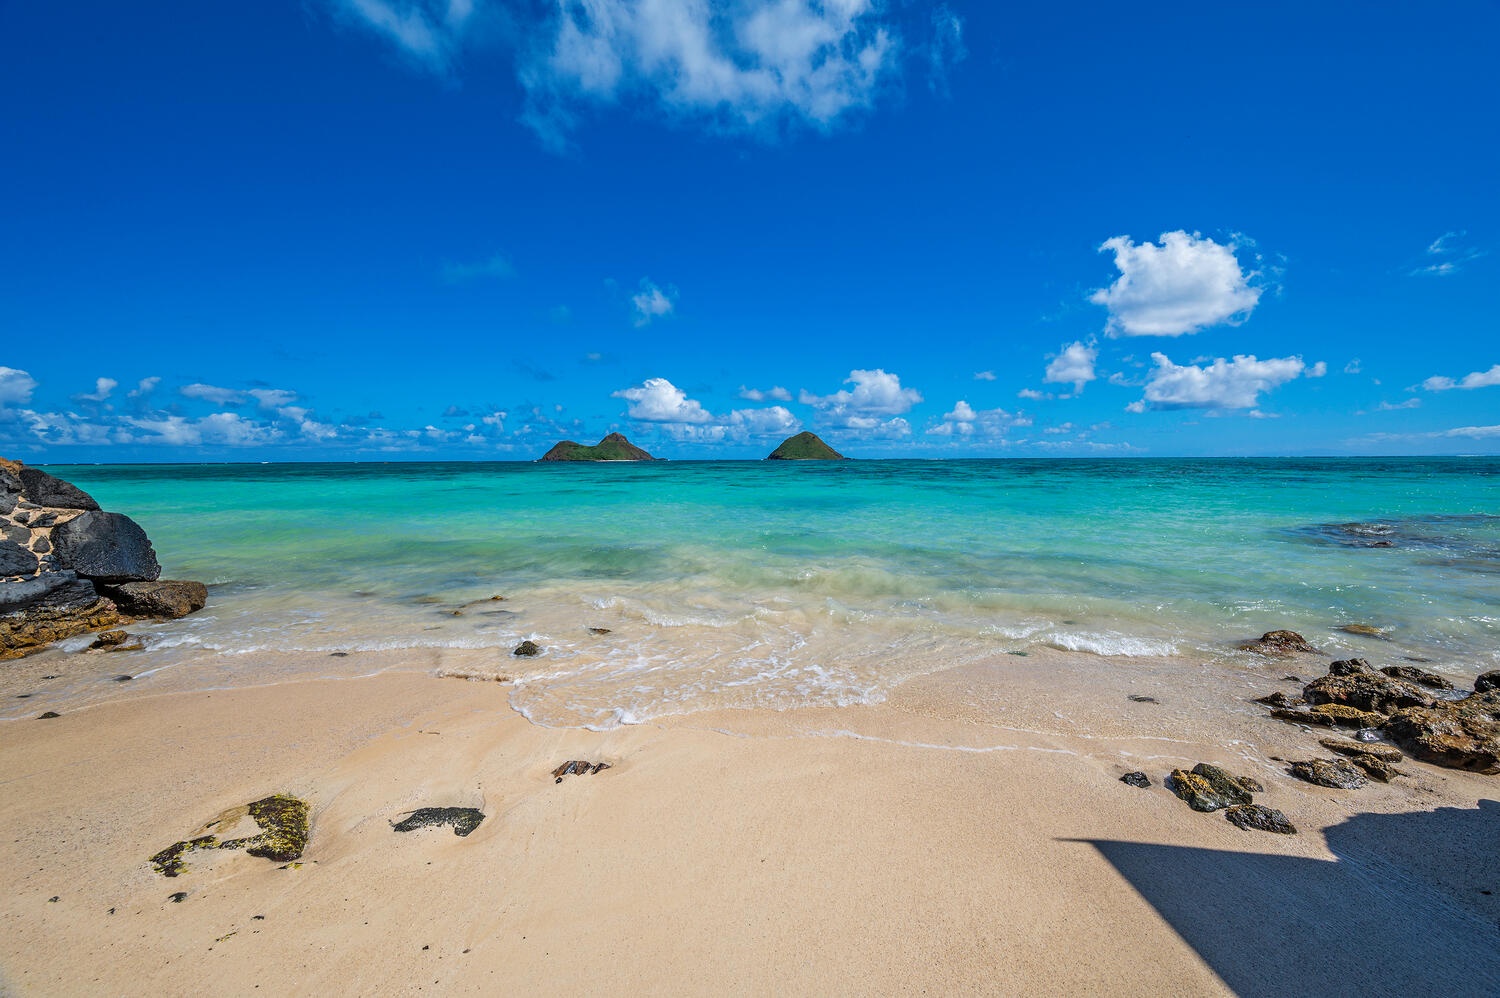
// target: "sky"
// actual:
[[314, 230]]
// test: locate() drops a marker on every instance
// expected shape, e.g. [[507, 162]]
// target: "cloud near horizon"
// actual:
[[1187, 283], [1235, 384], [873, 407], [658, 402]]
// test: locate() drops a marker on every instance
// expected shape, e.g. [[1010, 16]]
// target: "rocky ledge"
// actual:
[[67, 566]]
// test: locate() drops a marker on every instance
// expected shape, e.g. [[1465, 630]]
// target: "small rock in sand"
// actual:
[[1260, 818], [1136, 780]]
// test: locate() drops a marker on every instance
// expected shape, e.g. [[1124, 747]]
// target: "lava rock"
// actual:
[[1281, 699], [527, 649], [15, 560], [49, 715], [1258, 817], [1375, 768], [37, 612], [1412, 674], [1349, 667], [577, 767], [463, 819], [1331, 715], [164, 598], [1341, 774], [1136, 779], [109, 639], [1487, 681], [1457, 734], [108, 547], [1281, 644], [45, 490]]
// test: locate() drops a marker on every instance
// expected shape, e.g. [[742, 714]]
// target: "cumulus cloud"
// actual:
[[1187, 283], [875, 394], [1235, 384], [143, 388], [657, 400], [1318, 370], [1446, 255], [1073, 366], [651, 302], [776, 394], [965, 422], [16, 386], [103, 388], [1475, 379]]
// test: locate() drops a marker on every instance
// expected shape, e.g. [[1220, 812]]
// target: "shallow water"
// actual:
[[735, 584]]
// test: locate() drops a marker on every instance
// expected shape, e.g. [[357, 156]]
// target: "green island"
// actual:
[[805, 446], [612, 448]]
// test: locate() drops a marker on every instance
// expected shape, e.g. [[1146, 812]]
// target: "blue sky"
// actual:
[[405, 229]]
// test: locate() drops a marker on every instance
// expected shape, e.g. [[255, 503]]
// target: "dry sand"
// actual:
[[970, 835]]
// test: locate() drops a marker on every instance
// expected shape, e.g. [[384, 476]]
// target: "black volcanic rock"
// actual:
[[612, 448], [106, 547], [46, 490], [805, 446]]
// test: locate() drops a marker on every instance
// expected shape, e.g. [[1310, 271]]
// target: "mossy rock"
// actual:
[[283, 823]]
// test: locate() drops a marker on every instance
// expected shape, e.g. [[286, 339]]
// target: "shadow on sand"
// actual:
[[1402, 911]]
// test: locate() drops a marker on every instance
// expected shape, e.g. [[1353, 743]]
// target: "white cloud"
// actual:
[[1032, 394], [1235, 384], [876, 394], [1476, 379], [777, 394], [16, 386], [740, 67], [1073, 366], [1318, 370], [143, 388], [1411, 403], [429, 32], [774, 421], [965, 421], [1187, 283], [1445, 255], [213, 393], [657, 400], [272, 398], [1475, 432], [103, 387], [984, 375], [1353, 367], [652, 302]]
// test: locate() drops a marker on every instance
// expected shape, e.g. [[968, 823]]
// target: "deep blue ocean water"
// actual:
[[743, 583]]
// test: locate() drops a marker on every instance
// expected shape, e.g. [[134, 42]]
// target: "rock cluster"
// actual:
[[67, 567], [1414, 708], [1210, 788]]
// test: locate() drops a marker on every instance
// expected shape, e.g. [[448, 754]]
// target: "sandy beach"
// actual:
[[969, 835]]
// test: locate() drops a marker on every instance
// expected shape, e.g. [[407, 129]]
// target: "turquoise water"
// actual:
[[745, 583]]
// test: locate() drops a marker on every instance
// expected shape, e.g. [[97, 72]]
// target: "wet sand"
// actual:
[[969, 835]]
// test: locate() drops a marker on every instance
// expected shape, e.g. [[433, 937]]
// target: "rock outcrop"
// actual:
[[612, 448], [67, 567], [805, 446]]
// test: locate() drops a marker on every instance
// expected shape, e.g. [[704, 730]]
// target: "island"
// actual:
[[805, 446], [612, 448]]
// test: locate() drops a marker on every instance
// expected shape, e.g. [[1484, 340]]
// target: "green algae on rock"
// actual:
[[612, 448], [805, 446], [283, 834], [463, 819]]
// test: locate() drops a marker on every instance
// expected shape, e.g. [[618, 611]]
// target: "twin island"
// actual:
[[804, 446]]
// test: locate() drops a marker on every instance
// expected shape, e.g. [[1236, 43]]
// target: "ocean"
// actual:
[[669, 587]]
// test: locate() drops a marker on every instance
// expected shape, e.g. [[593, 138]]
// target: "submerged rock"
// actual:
[[1280, 699], [1341, 774], [1281, 644], [1136, 779], [283, 834], [1458, 734], [463, 819], [1366, 631], [1331, 715], [527, 649], [1258, 817]]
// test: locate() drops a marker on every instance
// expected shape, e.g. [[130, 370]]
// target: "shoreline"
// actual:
[[969, 833]]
